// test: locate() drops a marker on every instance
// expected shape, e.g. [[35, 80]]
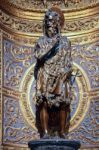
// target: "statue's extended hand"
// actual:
[[67, 75]]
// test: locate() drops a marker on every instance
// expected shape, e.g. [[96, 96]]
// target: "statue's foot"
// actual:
[[46, 136], [63, 135]]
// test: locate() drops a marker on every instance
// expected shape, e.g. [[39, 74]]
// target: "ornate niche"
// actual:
[[20, 27]]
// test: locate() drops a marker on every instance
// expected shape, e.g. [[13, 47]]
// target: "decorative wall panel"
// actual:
[[0, 87], [41, 4], [20, 27]]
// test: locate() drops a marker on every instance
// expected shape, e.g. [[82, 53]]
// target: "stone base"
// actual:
[[54, 144]]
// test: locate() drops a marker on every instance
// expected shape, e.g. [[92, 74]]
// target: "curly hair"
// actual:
[[58, 10]]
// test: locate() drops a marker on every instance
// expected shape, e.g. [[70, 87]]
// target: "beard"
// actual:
[[51, 31]]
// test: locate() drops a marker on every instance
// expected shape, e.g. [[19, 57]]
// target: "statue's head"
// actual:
[[53, 21]]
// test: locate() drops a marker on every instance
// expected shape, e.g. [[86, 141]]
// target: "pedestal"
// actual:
[[56, 144]]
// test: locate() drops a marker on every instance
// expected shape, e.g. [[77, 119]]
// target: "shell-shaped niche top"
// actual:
[[18, 6]]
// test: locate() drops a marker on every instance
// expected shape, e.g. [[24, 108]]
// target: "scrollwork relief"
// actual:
[[87, 57], [15, 128], [16, 60], [18, 57], [0, 86], [27, 26], [88, 131], [67, 4]]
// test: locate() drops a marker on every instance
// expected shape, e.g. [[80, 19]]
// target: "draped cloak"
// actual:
[[53, 70]]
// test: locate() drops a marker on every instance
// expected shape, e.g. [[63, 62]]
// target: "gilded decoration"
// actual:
[[0, 87], [82, 57], [80, 89], [89, 126], [20, 27], [15, 129], [17, 60], [33, 27], [41, 4]]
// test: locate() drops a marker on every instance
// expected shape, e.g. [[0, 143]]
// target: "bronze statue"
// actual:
[[53, 70]]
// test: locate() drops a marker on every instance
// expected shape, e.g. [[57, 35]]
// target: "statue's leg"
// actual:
[[63, 117], [44, 116]]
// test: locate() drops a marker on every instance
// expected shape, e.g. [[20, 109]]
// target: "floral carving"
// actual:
[[16, 60], [87, 132], [87, 57], [15, 129], [32, 27], [18, 57], [41, 4]]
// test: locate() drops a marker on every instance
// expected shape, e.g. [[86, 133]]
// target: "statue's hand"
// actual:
[[67, 75], [64, 77]]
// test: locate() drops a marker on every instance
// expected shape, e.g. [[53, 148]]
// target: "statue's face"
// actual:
[[51, 23]]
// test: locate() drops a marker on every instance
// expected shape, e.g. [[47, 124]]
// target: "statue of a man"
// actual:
[[52, 70]]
